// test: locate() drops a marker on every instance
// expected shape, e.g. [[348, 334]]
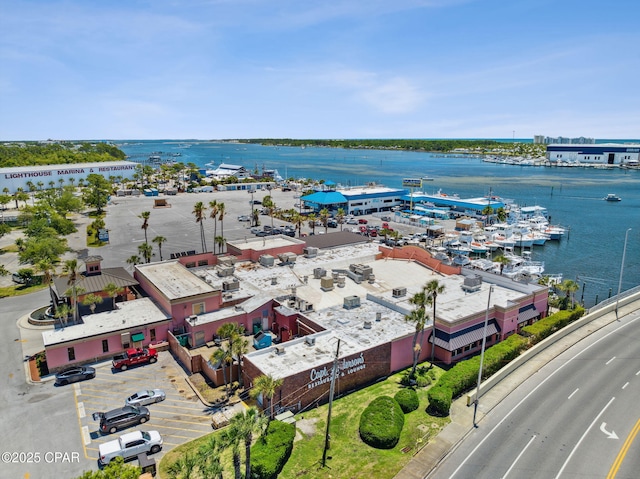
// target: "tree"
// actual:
[[312, 222], [231, 437], [340, 217], [116, 469], [4, 271], [63, 312], [324, 218], [247, 424], [568, 287], [221, 211], [433, 288], [502, 260], [501, 214], [238, 347], [146, 251], [268, 203], [199, 210], [222, 356], [72, 269], [220, 243], [113, 290], [4, 229], [20, 195], [47, 269], [92, 300], [159, 240], [145, 223], [266, 386], [419, 317], [97, 192], [26, 274], [134, 260], [214, 216]]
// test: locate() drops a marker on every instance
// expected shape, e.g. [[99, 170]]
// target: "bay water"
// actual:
[[590, 253]]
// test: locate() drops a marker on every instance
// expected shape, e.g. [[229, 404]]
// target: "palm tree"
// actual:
[[503, 260], [145, 223], [222, 356], [324, 218], [238, 347], [134, 260], [246, 424], [72, 268], [184, 466], [159, 240], [62, 313], [199, 210], [340, 216], [266, 386], [92, 300], [113, 290], [312, 222], [47, 269], [146, 251], [221, 218], [433, 288], [268, 203], [214, 215], [568, 286], [231, 438], [220, 243]]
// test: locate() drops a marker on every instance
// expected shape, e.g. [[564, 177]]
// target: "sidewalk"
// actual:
[[461, 423]]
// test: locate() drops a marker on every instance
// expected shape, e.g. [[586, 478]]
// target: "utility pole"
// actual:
[[484, 344], [327, 436]]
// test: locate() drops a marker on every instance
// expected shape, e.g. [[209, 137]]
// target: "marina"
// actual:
[[589, 252]]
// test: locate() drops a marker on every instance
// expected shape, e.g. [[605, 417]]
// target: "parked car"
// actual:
[[362, 221], [257, 202], [75, 374], [256, 230], [244, 218], [120, 418], [386, 218], [145, 397], [332, 223], [134, 357], [352, 221], [130, 445], [385, 226]]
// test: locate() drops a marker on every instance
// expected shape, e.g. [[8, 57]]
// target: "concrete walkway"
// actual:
[[461, 423]]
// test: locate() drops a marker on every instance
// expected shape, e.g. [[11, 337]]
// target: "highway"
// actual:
[[577, 417]]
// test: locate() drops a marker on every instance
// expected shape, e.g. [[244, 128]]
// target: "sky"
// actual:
[[223, 69]]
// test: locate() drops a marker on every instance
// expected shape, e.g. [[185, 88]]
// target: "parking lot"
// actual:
[[181, 417]]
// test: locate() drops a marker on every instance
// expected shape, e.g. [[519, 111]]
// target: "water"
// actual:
[[590, 253]]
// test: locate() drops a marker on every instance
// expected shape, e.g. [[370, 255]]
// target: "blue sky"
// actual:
[[212, 69]]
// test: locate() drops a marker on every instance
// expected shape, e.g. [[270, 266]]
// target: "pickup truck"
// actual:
[[133, 357], [130, 445]]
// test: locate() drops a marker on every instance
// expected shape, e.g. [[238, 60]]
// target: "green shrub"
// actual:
[[407, 399], [271, 452], [381, 423], [439, 400], [545, 327]]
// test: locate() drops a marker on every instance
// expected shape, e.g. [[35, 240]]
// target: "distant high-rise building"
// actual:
[[561, 140]]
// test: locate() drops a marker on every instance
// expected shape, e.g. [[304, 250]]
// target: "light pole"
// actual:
[[484, 343], [251, 217], [624, 252]]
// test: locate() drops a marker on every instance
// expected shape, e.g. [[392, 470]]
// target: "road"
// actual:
[[577, 417]]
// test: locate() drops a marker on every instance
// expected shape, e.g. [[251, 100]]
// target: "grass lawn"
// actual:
[[19, 290], [348, 456]]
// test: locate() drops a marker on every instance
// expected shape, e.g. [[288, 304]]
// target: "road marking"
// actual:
[[571, 395], [625, 385], [575, 448], [623, 452], [612, 434], [86, 436], [81, 411], [638, 373], [76, 388], [540, 384], [519, 455], [607, 363], [75, 399]]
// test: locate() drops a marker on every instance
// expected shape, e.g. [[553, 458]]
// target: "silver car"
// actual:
[[145, 397]]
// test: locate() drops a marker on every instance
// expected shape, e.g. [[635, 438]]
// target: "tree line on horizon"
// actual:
[[33, 154], [382, 144]]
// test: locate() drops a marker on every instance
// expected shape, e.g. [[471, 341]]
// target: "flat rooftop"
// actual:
[[264, 243], [173, 280], [130, 314]]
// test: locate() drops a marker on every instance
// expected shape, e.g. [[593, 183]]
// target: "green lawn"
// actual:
[[348, 457]]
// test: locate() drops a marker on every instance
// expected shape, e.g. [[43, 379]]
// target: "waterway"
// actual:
[[590, 253]]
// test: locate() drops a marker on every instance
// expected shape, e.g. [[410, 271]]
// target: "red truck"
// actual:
[[133, 357]]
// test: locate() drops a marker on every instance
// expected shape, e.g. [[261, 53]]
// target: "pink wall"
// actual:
[[254, 255], [402, 351], [420, 255], [90, 349]]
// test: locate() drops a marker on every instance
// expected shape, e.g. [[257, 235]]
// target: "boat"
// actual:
[[427, 178], [612, 197]]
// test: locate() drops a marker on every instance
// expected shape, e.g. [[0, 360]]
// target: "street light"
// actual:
[[624, 252], [484, 343]]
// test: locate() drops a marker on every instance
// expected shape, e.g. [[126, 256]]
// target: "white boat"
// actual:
[[612, 197]]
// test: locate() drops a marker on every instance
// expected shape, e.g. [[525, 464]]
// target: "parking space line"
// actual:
[[81, 411], [86, 437], [75, 400]]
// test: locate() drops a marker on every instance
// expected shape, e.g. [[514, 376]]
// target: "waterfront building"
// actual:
[[601, 154], [357, 200], [20, 176]]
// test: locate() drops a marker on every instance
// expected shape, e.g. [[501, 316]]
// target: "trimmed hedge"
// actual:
[[439, 400], [381, 423], [464, 375], [545, 327], [272, 450], [407, 399]]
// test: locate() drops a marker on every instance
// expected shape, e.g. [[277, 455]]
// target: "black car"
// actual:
[[75, 374], [120, 418]]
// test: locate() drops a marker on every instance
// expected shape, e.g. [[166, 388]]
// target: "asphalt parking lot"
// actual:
[[181, 417]]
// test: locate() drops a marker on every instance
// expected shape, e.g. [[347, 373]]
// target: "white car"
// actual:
[[130, 445], [143, 398]]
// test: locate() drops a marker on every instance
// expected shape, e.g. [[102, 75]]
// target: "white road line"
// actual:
[[81, 411], [519, 455], [625, 385], [607, 363], [575, 448], [86, 437], [638, 373], [571, 395]]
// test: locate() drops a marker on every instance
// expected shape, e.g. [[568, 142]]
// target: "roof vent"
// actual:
[[310, 340], [280, 350], [399, 292], [367, 325], [378, 316]]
